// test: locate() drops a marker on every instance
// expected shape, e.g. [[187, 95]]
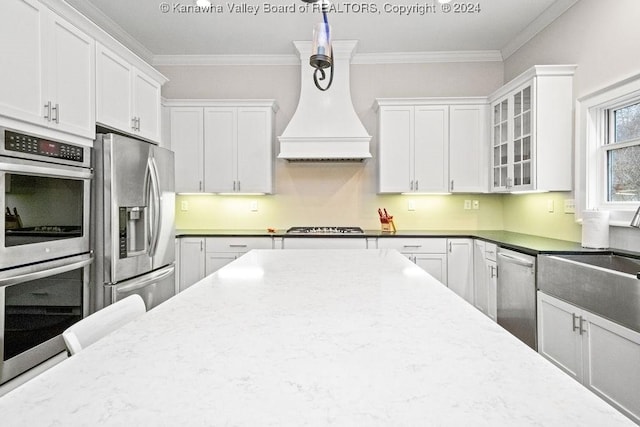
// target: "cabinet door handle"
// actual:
[[133, 123], [200, 185], [57, 110], [238, 185], [416, 185], [582, 330], [492, 272], [138, 124], [40, 294], [450, 247], [411, 185], [451, 185], [237, 246], [573, 322], [411, 246], [234, 186], [47, 111], [201, 245]]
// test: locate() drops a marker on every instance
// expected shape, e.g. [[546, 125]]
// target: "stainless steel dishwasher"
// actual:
[[517, 295]]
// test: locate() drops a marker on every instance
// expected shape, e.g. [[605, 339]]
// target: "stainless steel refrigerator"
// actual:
[[133, 221]]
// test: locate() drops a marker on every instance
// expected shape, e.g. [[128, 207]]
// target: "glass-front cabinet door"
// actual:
[[500, 131], [512, 139], [522, 139]]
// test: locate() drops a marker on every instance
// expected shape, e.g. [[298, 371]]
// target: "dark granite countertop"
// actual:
[[526, 243]]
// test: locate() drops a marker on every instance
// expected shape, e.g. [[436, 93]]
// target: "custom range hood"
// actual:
[[325, 126]]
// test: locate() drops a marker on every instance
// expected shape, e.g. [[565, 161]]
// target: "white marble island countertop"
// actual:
[[309, 337]]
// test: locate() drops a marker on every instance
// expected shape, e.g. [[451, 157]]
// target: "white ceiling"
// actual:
[[500, 27]]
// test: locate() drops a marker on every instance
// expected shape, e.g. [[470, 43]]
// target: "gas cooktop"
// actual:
[[325, 230]]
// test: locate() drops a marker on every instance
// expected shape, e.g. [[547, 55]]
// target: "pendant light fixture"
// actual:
[[322, 52]]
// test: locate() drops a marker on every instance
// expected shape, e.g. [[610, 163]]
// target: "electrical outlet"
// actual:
[[550, 206], [184, 206], [253, 206], [467, 204], [411, 205], [569, 206], [476, 204]]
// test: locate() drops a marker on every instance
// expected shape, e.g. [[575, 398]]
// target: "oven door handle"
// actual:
[[40, 274], [21, 166]]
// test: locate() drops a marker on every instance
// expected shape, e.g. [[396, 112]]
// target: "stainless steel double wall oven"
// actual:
[[45, 255]]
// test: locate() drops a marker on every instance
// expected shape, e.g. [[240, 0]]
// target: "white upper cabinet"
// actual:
[[223, 146], [113, 89], [431, 149], [432, 145], [395, 149], [468, 150], [531, 131], [412, 147], [146, 106], [187, 141], [238, 148], [127, 99], [47, 73]]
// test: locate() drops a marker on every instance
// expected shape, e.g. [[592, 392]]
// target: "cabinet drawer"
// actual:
[[414, 245], [490, 250], [237, 244]]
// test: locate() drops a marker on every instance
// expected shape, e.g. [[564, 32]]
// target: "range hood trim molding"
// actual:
[[325, 126]]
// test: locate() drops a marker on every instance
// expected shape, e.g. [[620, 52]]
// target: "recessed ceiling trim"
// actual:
[[358, 58], [545, 19]]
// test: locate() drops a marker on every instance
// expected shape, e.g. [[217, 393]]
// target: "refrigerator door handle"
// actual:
[[157, 206], [144, 281]]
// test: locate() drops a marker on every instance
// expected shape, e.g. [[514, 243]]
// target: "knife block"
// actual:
[[388, 226]]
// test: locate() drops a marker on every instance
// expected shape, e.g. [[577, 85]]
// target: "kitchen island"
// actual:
[[309, 337]]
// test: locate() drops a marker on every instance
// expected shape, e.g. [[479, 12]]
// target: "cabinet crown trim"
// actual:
[[267, 103], [403, 102], [567, 70]]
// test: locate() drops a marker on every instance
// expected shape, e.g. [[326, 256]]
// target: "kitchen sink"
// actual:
[[604, 284], [620, 263]]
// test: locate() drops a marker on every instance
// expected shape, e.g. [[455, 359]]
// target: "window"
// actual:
[[608, 151], [622, 150]]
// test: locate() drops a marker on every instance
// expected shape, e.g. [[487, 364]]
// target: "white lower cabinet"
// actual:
[[604, 356], [430, 254], [485, 278], [192, 261], [324, 243], [201, 256], [460, 268], [220, 251]]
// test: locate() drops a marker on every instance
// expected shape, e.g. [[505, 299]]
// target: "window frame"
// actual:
[[593, 113]]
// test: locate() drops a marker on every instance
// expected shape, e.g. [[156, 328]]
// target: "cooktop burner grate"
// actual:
[[325, 230]]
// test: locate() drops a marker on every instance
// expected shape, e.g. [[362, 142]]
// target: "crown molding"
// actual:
[[358, 58], [427, 57], [108, 25], [545, 19], [225, 60]]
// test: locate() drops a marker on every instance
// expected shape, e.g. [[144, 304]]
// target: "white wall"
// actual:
[[335, 194], [603, 39]]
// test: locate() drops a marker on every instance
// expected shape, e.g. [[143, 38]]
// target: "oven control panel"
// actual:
[[42, 147]]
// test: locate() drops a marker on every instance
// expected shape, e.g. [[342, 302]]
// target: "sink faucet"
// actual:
[[635, 221]]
